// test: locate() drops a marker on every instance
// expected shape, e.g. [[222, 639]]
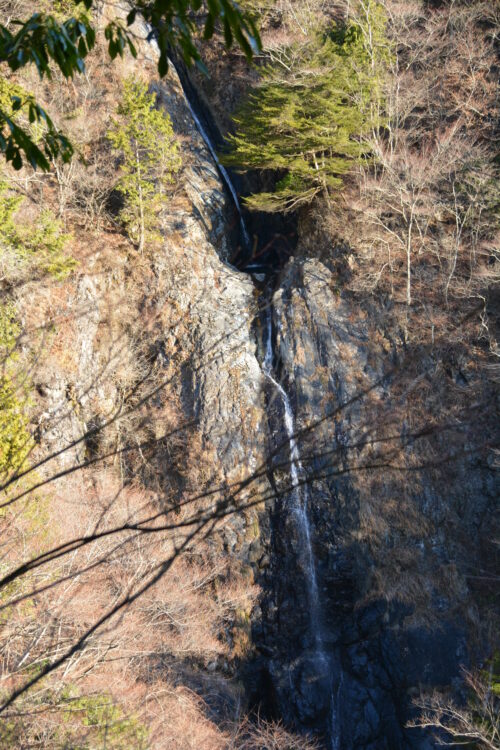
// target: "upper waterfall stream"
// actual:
[[223, 171]]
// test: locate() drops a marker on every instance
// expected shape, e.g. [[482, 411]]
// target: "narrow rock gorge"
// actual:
[[340, 648], [267, 505]]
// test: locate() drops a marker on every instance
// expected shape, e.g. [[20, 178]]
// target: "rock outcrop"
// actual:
[[392, 597]]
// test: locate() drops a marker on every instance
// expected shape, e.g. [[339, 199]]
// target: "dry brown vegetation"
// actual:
[[138, 658], [425, 214], [476, 722], [424, 240]]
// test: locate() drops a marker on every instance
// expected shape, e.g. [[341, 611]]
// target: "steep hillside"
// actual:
[[249, 431]]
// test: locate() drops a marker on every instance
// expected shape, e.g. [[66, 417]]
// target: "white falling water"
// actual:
[[300, 493], [223, 171], [300, 510]]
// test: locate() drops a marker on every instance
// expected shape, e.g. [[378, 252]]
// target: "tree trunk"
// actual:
[[408, 261], [141, 221], [141, 201]]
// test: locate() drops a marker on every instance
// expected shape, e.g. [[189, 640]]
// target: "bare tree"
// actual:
[[477, 723]]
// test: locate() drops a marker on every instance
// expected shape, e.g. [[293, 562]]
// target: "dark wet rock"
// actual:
[[334, 364]]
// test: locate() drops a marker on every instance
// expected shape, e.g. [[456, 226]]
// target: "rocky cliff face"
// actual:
[[391, 596], [196, 312]]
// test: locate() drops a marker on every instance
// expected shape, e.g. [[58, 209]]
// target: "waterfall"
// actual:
[[208, 142], [299, 509], [300, 494], [223, 171]]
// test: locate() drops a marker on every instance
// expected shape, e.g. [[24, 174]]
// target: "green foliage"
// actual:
[[43, 40], [27, 130], [174, 23], [309, 115], [10, 329], [48, 41], [9, 204], [15, 439], [40, 247], [144, 138], [258, 10], [44, 245], [368, 51], [492, 674], [92, 722], [61, 9]]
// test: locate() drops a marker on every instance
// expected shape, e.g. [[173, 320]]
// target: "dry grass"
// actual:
[[267, 735]]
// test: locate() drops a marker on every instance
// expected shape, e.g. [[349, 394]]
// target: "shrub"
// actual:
[[38, 248], [15, 439]]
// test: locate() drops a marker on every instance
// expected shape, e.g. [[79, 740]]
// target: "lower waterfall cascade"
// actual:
[[297, 506], [299, 491]]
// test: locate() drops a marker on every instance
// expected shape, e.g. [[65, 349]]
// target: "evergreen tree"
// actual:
[[145, 139], [306, 121]]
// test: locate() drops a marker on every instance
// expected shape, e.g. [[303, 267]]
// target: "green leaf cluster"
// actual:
[[308, 118], [43, 40], [143, 137], [175, 25], [27, 131]]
